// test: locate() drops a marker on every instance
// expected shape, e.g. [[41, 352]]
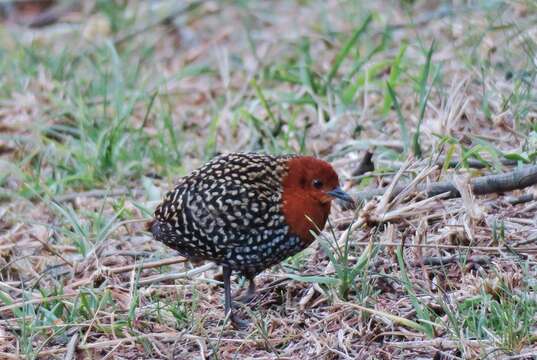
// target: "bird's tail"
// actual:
[[149, 225], [153, 226]]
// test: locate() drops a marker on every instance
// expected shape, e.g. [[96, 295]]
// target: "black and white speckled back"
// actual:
[[230, 211]]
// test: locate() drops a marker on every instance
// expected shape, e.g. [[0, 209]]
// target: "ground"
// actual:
[[104, 104]]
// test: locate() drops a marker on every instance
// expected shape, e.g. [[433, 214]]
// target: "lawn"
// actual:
[[105, 104]]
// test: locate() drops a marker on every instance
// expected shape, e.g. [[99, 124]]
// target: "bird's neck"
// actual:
[[304, 214]]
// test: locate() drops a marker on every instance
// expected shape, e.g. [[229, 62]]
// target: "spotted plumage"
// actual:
[[247, 212], [229, 211]]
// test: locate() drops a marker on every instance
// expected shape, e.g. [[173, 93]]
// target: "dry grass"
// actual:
[[102, 110]]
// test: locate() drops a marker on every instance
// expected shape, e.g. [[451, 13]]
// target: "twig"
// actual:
[[147, 265], [441, 12], [111, 352], [98, 194], [454, 247], [9, 356], [52, 15], [127, 268], [34, 301], [53, 251], [183, 9], [436, 343], [528, 355], [445, 260], [128, 253], [513, 180], [174, 276]]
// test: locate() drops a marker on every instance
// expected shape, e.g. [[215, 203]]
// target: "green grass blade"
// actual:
[[277, 123], [400, 118], [422, 311], [264, 101], [306, 74], [344, 51], [395, 72], [424, 92]]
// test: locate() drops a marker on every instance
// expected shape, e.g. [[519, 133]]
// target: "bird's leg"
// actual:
[[250, 292], [237, 323], [227, 289]]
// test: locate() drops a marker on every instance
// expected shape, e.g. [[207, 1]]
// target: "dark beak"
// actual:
[[341, 195]]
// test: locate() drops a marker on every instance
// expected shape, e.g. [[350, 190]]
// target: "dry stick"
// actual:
[[52, 15], [445, 260], [174, 276], [98, 194], [19, 304], [456, 247], [127, 268], [437, 343], [528, 355], [9, 356], [173, 13], [147, 265], [111, 352], [513, 180], [128, 253], [53, 251]]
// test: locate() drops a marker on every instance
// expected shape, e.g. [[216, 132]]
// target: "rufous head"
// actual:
[[308, 190]]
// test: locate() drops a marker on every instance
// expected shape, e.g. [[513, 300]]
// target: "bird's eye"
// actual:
[[317, 183]]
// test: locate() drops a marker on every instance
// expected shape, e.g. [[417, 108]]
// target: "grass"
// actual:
[[100, 114]]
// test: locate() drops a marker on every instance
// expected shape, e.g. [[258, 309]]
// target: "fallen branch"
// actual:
[[517, 179], [520, 199]]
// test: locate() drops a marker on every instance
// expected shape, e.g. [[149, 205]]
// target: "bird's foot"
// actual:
[[238, 323], [237, 304], [245, 298], [248, 296]]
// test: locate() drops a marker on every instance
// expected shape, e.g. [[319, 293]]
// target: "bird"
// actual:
[[247, 212]]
